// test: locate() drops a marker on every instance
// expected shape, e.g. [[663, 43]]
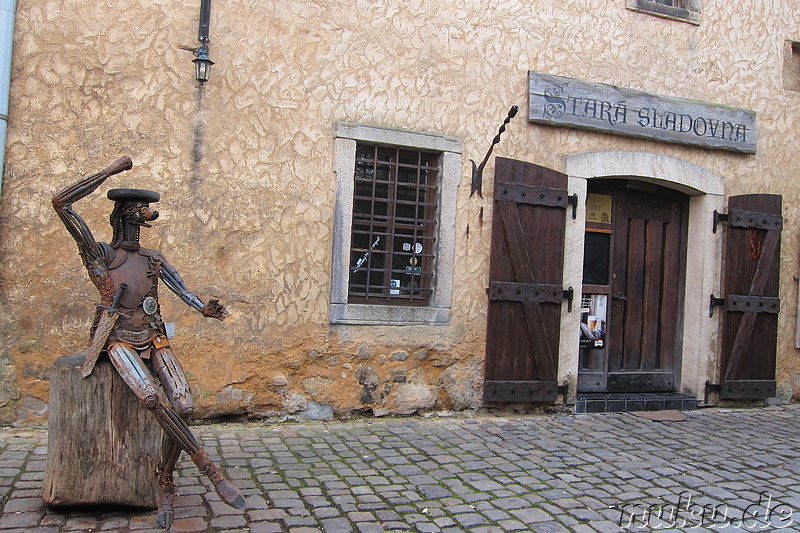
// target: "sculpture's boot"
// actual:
[[166, 500], [229, 493], [166, 487]]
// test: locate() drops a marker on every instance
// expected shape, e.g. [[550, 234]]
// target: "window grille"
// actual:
[[394, 218]]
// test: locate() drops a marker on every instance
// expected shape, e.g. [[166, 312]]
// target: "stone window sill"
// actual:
[[690, 14], [388, 315]]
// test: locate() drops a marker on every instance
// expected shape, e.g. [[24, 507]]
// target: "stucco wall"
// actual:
[[244, 166]]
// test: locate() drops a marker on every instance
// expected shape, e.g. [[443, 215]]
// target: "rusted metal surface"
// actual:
[[128, 325]]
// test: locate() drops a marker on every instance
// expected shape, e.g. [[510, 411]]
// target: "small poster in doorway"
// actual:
[[598, 208], [593, 320]]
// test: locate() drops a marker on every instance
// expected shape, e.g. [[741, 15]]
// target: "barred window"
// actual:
[[393, 230], [394, 234]]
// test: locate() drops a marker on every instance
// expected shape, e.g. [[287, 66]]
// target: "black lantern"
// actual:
[[202, 64]]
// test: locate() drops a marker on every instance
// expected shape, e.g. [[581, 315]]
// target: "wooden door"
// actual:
[[752, 280], [645, 320], [525, 275]]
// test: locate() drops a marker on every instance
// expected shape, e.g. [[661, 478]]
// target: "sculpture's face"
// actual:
[[139, 214]]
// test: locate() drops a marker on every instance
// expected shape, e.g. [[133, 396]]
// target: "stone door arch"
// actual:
[[703, 256]]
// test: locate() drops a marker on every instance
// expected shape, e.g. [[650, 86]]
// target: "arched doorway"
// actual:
[[700, 193]]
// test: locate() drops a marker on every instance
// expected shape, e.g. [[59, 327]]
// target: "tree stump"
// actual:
[[103, 445]]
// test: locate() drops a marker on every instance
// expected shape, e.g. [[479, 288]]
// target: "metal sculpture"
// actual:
[[477, 170], [128, 326]]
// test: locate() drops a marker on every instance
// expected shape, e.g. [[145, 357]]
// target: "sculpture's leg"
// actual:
[[175, 385], [138, 378], [170, 373], [166, 488]]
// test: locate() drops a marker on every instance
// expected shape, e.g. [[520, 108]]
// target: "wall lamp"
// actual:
[[201, 61], [202, 64]]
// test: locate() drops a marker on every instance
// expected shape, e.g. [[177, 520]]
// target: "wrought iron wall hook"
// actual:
[[477, 170]]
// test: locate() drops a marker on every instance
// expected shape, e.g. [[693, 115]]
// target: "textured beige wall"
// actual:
[[244, 166]]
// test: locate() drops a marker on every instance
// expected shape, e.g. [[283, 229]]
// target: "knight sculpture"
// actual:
[[128, 327]]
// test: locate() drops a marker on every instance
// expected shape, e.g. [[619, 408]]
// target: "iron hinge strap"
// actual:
[[525, 292], [747, 389], [746, 219], [530, 292], [533, 195], [753, 304], [741, 389], [519, 391], [745, 304]]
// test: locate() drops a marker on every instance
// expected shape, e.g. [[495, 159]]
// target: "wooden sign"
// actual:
[[560, 101]]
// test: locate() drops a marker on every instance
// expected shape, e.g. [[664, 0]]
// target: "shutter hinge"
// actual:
[[746, 219], [715, 302], [712, 387], [569, 294], [563, 390], [719, 217], [573, 201]]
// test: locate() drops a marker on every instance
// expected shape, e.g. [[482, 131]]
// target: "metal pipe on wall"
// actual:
[[7, 10], [205, 21]]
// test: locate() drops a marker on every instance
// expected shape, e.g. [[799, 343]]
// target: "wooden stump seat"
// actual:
[[103, 446]]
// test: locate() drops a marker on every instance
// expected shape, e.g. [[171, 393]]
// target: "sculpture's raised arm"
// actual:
[[63, 200]]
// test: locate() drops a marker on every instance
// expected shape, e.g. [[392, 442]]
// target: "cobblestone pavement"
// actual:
[[729, 470]]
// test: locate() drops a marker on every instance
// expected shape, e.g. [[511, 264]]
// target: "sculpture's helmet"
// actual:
[[132, 205]]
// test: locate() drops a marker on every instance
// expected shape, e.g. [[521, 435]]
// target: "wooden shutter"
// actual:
[[525, 289], [752, 279]]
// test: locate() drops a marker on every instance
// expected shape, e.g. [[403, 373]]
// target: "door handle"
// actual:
[[619, 296]]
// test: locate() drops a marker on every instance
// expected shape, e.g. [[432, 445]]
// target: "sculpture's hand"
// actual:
[[63, 200], [123, 163], [214, 309]]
